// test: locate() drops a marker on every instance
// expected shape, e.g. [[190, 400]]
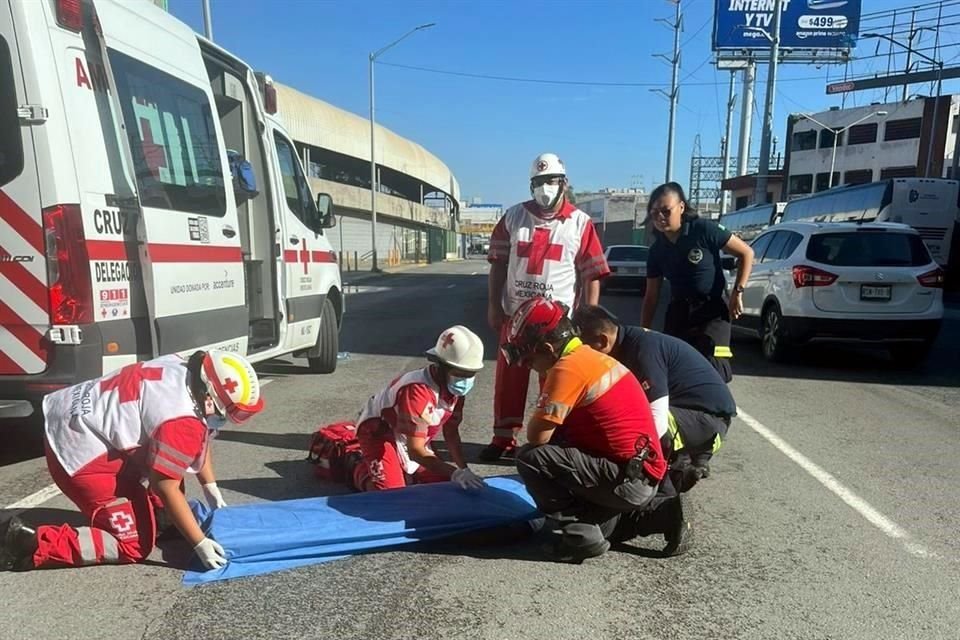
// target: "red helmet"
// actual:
[[530, 325]]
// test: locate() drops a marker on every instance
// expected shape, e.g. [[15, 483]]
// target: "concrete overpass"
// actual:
[[418, 198]]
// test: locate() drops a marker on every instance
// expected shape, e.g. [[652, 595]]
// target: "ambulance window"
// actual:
[[11, 149], [295, 186], [173, 139]]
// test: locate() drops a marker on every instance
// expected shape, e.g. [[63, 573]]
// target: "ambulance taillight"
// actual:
[[268, 91], [70, 15], [68, 266]]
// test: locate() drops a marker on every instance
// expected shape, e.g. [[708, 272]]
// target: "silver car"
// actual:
[[628, 267]]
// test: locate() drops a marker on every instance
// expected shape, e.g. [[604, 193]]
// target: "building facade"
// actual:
[[896, 143], [616, 213]]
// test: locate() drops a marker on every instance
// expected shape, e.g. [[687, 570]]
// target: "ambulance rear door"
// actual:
[[188, 228], [24, 319]]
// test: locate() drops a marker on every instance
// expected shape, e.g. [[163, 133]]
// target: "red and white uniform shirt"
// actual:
[[413, 405], [546, 257], [144, 411]]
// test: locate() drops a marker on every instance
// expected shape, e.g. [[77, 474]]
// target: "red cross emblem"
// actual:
[[127, 382], [542, 165], [230, 385], [447, 340], [121, 522], [305, 258], [539, 251]]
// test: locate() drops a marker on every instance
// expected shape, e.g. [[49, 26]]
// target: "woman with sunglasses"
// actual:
[[686, 251]]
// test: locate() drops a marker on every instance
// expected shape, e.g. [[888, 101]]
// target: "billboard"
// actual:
[[804, 24]]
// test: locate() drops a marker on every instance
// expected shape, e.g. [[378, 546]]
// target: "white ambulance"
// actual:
[[123, 233]]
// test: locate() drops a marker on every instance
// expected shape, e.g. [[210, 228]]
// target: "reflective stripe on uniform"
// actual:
[[722, 352], [604, 384], [111, 553], [174, 454], [717, 443], [557, 410], [674, 430], [88, 549]]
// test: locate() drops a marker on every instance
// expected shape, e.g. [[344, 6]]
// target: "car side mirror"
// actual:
[[325, 211], [728, 263]]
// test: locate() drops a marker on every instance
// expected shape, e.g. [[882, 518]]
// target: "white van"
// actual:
[[123, 234]]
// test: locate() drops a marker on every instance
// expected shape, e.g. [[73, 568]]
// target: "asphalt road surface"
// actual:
[[832, 512]]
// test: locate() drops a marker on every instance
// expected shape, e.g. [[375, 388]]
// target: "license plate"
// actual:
[[632, 270], [875, 292]]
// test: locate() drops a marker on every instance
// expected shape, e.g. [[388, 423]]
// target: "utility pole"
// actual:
[[727, 142], [913, 18], [763, 171], [746, 118], [673, 96]]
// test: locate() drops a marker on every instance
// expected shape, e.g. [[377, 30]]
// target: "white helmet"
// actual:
[[232, 384], [547, 164], [459, 348]]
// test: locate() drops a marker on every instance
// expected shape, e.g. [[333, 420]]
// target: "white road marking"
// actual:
[[265, 381], [858, 504], [35, 499], [451, 286]]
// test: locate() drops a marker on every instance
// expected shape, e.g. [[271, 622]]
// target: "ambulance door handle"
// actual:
[[294, 240]]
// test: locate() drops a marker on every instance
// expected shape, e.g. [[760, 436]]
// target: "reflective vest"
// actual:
[[431, 414], [545, 256], [118, 412]]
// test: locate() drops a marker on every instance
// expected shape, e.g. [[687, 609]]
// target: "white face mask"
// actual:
[[546, 194]]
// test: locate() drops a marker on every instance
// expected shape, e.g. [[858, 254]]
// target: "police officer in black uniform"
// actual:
[[686, 251], [691, 404]]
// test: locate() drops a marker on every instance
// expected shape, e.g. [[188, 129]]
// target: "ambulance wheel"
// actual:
[[328, 342]]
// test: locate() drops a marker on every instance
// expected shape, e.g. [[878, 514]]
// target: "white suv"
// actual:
[[872, 283]]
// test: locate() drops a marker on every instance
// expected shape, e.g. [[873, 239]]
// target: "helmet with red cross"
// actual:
[[547, 164], [537, 321], [458, 348], [232, 384]]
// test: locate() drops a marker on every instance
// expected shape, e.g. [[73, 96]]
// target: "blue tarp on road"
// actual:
[[272, 536]]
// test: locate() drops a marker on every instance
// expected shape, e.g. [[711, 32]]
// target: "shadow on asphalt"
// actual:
[[294, 441], [47, 516], [22, 439], [830, 362], [471, 451], [295, 479]]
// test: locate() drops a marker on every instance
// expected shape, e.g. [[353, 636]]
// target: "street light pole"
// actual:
[[374, 187], [836, 136]]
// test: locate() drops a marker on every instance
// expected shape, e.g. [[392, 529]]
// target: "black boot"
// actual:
[[18, 543], [496, 450], [678, 530]]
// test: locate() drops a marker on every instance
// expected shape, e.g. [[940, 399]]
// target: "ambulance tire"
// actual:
[[328, 342]]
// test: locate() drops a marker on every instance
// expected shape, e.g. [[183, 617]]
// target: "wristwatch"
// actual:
[[738, 289]]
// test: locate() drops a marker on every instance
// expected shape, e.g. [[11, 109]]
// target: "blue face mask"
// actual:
[[460, 386], [215, 422]]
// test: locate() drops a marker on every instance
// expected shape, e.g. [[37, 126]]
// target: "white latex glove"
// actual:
[[213, 496], [467, 479], [211, 554]]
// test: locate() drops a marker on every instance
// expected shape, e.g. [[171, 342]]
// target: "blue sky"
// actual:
[[489, 131]]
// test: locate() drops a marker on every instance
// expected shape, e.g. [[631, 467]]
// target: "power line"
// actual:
[[886, 13], [588, 83]]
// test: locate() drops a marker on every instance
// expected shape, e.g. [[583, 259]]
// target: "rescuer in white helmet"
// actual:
[[545, 247], [151, 420], [396, 425]]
